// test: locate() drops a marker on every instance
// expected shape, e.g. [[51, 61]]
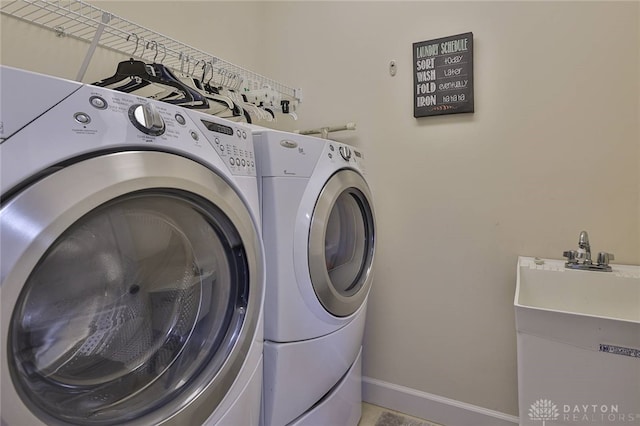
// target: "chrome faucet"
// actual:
[[581, 258], [584, 252]]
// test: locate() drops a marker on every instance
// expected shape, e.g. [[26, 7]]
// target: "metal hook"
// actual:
[[187, 60], [225, 77], [204, 71], [195, 65], [239, 82], [137, 40], [144, 48], [211, 62], [164, 48], [154, 43], [210, 78]]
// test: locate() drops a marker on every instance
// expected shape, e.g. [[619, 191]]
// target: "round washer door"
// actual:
[[131, 292], [342, 243]]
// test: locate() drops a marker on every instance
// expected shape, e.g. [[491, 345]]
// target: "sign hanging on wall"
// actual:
[[443, 76]]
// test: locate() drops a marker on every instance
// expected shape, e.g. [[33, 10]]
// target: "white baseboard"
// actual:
[[447, 412]]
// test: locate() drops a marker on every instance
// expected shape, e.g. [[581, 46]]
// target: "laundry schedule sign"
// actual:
[[443, 78]]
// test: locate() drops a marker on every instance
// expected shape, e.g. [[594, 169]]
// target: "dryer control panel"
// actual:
[[341, 154], [293, 155]]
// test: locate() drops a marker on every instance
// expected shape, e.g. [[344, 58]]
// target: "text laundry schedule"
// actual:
[[443, 76]]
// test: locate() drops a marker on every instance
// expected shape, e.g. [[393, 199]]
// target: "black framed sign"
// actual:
[[443, 76]]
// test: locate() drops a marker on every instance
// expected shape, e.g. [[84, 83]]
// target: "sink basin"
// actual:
[[546, 284], [578, 342]]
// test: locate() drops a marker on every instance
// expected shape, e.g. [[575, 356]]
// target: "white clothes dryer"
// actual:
[[319, 235], [132, 270]]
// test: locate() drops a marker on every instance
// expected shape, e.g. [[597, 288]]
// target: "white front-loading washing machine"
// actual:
[[132, 270], [319, 233]]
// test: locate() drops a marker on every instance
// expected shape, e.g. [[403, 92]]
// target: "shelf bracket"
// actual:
[[106, 17]]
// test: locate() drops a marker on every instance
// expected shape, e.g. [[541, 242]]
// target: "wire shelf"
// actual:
[[81, 20]]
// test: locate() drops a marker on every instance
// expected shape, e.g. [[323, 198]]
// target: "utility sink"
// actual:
[[546, 284], [578, 342]]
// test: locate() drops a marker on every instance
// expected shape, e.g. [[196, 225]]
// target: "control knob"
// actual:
[[147, 119], [345, 153]]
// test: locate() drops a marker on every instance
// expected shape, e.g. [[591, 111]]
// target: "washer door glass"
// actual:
[[341, 243], [127, 308]]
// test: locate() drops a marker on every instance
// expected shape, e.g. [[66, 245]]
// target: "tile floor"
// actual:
[[372, 414]]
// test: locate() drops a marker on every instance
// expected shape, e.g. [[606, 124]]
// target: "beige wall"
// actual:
[[204, 25], [553, 148]]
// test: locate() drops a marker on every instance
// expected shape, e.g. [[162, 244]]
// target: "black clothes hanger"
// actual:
[[133, 68], [198, 101], [124, 72]]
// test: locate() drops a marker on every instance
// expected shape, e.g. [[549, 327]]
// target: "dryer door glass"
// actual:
[[128, 307], [341, 243], [345, 244]]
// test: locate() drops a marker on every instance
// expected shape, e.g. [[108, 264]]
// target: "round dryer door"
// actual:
[[135, 294], [342, 243]]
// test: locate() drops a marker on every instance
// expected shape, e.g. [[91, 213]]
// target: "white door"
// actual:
[[131, 290], [342, 243]]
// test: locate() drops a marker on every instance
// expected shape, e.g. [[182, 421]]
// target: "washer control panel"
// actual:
[[232, 142], [155, 122]]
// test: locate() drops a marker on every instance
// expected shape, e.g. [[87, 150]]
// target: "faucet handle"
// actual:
[[604, 258], [570, 255]]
